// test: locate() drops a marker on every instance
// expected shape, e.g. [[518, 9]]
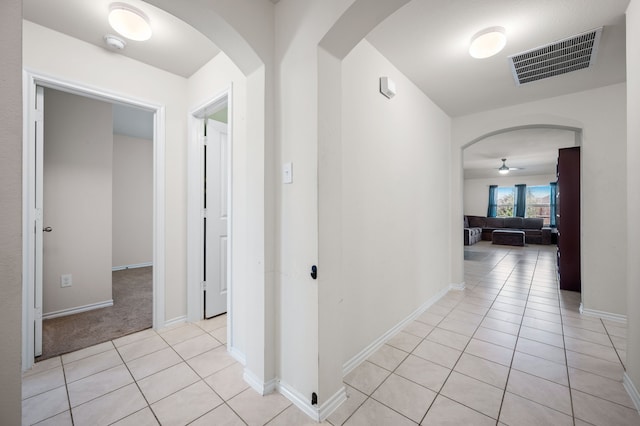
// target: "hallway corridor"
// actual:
[[509, 349]]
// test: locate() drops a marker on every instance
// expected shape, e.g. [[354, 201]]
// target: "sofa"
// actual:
[[534, 231], [471, 235]]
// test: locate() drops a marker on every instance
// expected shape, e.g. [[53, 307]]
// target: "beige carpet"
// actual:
[[131, 312]]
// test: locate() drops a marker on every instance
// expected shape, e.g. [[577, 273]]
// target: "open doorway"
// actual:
[[510, 183], [89, 275], [210, 183], [98, 210]]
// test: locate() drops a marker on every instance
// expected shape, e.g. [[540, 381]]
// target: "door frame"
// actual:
[[195, 240], [31, 79]]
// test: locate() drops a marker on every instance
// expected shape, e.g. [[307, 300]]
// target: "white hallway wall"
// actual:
[[395, 160], [633, 176], [299, 28], [601, 114], [11, 208], [476, 191], [311, 342]]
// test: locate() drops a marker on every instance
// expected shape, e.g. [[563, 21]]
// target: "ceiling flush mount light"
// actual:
[[487, 42], [503, 170], [129, 22]]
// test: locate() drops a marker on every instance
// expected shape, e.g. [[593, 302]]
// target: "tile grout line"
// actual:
[[566, 359], [611, 340], [203, 379], [137, 386], [467, 344], [506, 384], [66, 387]]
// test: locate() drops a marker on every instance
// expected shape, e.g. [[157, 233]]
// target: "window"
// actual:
[[506, 198], [538, 202]]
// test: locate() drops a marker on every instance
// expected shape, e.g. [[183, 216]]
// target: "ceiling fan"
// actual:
[[504, 169]]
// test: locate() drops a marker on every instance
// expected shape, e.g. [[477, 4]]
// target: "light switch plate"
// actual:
[[287, 173]]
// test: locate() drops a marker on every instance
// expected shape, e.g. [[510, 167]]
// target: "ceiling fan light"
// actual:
[[129, 22], [503, 170], [487, 42]]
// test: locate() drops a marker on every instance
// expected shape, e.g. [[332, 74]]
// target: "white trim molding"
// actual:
[[602, 314], [78, 309], [299, 400], [195, 185], [351, 364], [458, 287], [237, 355], [317, 413], [332, 404], [263, 388], [134, 266], [632, 390], [174, 321]]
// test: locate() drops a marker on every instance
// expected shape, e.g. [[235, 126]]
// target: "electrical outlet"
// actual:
[[65, 280]]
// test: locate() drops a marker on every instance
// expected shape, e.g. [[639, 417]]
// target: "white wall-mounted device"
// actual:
[[287, 173], [387, 87]]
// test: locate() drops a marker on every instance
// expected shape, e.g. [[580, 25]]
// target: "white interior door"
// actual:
[[38, 229], [216, 203]]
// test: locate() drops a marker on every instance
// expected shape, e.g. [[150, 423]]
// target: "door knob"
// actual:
[[47, 229]]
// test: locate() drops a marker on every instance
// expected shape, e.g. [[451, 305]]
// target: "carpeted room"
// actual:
[[97, 201]]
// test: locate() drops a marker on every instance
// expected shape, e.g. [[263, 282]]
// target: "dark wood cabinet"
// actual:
[[568, 218]]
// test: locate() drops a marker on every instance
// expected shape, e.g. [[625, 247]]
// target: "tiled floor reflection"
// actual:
[[510, 349]]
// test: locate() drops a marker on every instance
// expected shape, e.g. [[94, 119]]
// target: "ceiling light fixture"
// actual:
[[487, 42], [503, 170], [129, 22]]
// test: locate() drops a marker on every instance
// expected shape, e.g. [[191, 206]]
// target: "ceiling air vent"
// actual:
[[563, 56]]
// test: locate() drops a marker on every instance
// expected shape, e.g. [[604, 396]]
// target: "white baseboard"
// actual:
[[632, 390], [135, 265], [78, 309], [317, 413], [238, 356], [602, 314], [301, 401], [263, 388], [174, 321], [351, 364], [459, 287], [332, 404]]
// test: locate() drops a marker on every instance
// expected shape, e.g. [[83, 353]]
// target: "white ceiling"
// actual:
[[427, 40], [533, 151], [175, 46]]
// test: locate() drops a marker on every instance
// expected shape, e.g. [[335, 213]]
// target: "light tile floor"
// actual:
[[510, 349]]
